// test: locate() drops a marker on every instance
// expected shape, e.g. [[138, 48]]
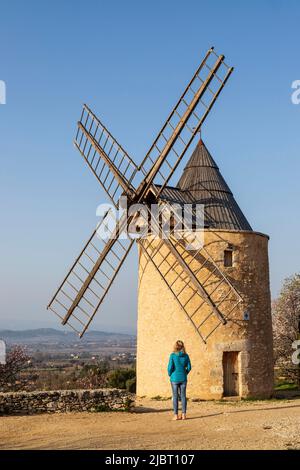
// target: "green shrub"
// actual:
[[159, 398], [117, 378], [101, 408], [131, 385], [128, 404]]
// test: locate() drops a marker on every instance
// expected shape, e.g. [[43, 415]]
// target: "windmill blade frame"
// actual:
[[119, 176], [113, 167], [84, 288], [181, 269], [184, 121], [184, 241]]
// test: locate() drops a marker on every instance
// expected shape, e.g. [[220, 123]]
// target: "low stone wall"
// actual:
[[61, 401]]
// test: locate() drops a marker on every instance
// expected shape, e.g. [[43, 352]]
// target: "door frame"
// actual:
[[238, 353]]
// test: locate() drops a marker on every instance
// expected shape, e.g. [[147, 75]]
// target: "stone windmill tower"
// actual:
[[213, 295], [228, 360]]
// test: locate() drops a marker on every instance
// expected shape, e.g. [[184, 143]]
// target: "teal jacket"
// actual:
[[179, 366]]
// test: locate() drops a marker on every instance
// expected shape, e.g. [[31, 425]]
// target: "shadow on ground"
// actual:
[[146, 409]]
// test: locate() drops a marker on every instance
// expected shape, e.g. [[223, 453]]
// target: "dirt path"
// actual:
[[271, 424]]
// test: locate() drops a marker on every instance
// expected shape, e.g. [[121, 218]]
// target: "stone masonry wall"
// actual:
[[61, 401]]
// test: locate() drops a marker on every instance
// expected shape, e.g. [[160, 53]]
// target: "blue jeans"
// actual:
[[181, 388]]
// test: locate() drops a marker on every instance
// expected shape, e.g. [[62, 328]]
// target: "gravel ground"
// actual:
[[271, 424]]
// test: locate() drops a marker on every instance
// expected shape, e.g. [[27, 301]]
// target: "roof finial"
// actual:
[[199, 131]]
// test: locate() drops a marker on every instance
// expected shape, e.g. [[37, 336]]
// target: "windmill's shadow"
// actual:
[[142, 409], [146, 409]]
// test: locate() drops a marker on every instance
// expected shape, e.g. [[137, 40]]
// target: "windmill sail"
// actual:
[[185, 121], [88, 281], [110, 163], [194, 278]]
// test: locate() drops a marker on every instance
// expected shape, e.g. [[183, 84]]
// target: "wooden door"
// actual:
[[230, 374]]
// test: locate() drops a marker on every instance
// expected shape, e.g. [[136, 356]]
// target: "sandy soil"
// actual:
[[273, 424]]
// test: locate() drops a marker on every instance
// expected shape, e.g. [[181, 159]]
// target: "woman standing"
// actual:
[[178, 368]]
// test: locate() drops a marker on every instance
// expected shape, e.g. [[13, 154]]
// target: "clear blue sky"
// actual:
[[130, 60]]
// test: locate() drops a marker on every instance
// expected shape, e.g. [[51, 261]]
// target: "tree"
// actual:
[[93, 375], [16, 361], [286, 326], [117, 378]]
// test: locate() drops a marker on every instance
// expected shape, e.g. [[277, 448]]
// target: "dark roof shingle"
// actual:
[[202, 183]]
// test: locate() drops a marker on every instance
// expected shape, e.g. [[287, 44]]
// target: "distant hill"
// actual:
[[32, 333], [51, 334]]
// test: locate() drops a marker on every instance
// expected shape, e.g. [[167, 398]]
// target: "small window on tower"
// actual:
[[227, 258]]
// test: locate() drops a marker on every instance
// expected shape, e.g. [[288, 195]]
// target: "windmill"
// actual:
[[87, 283], [207, 294]]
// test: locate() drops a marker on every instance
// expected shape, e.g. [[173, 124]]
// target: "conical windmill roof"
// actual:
[[201, 182]]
